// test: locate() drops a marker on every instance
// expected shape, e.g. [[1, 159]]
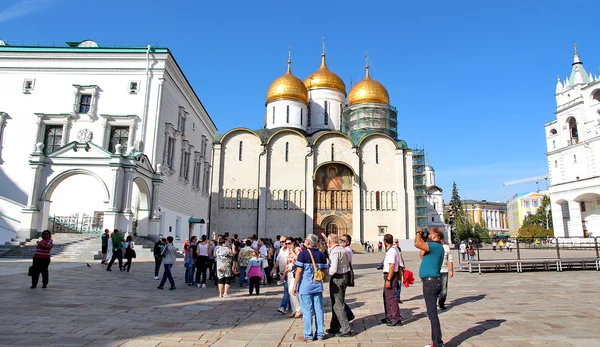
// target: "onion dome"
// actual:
[[323, 78], [368, 90], [287, 86]]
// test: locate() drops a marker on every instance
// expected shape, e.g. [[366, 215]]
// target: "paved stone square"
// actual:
[[92, 307]]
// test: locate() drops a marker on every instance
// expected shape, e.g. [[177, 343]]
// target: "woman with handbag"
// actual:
[[129, 252], [41, 260]]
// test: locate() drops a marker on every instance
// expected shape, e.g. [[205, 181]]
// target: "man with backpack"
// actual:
[[117, 243]]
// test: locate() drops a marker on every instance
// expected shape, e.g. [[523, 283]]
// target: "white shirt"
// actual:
[[463, 248], [282, 259], [263, 251], [391, 256], [254, 244], [350, 253], [447, 259]]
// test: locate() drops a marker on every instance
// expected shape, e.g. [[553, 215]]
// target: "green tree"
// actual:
[[531, 232], [454, 213], [542, 217]]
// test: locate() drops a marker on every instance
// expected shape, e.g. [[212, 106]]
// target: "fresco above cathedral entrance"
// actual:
[[333, 199]]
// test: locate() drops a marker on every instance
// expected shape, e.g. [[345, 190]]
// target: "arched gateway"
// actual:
[[333, 198]]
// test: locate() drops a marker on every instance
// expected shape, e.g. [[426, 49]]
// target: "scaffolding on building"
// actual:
[[420, 188]]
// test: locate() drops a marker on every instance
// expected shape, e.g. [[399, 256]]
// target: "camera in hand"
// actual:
[[425, 234]]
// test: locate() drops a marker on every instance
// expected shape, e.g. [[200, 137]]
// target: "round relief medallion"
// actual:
[[85, 135]]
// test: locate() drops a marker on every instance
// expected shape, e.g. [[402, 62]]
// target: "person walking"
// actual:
[[224, 259], [391, 271], [190, 260], [254, 273], [129, 252], [169, 255], [310, 266], [447, 270], [117, 246], [41, 260], [463, 250], [339, 266], [432, 255], [279, 266], [289, 276], [202, 261], [400, 270], [104, 247], [157, 250]]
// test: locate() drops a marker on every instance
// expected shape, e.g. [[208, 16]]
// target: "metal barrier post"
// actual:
[[518, 249], [596, 246], [557, 248], [477, 250]]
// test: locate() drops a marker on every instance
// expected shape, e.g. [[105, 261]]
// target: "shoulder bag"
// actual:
[[319, 274]]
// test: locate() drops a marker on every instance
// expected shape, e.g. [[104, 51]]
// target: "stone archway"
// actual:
[[334, 225], [140, 206], [74, 200]]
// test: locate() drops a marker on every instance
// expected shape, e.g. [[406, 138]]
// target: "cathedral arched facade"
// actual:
[[323, 162]]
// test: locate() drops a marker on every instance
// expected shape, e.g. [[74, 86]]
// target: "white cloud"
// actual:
[[23, 8]]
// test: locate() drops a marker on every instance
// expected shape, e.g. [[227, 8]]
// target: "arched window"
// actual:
[[308, 115], [301, 115], [238, 204], [573, 131], [552, 131], [596, 96], [286, 199], [553, 144], [240, 151], [325, 114], [287, 151], [376, 154], [287, 114], [273, 114], [555, 163], [377, 201], [341, 119], [574, 159]]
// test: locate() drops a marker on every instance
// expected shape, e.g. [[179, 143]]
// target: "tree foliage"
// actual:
[[533, 231], [542, 217]]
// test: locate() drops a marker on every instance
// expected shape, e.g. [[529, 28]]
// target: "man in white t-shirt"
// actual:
[[391, 266], [446, 269], [463, 250]]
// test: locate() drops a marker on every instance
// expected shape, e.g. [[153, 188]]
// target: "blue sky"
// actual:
[[473, 81]]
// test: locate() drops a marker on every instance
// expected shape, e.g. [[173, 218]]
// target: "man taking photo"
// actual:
[[432, 255]]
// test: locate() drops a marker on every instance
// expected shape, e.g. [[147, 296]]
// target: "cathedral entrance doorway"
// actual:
[[333, 199]]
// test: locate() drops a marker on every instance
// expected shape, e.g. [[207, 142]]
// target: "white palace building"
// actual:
[[573, 142], [325, 161], [95, 137]]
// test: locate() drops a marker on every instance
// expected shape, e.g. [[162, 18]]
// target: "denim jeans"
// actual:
[[444, 290], [242, 276], [191, 272], [431, 291], [285, 302], [157, 262], [399, 290], [312, 303], [167, 275]]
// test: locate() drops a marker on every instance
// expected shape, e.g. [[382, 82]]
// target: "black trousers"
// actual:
[[431, 291], [40, 266], [339, 316], [127, 263], [117, 254], [157, 262], [202, 266], [254, 284]]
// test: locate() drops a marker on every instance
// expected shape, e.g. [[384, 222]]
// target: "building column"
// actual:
[[309, 194], [66, 130], [30, 215], [128, 190], [154, 221], [575, 224], [262, 193], [215, 190]]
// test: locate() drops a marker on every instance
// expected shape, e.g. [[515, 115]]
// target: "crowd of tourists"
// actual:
[[117, 246]]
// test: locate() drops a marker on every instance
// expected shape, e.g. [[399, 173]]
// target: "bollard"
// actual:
[[557, 248], [518, 249], [596, 246]]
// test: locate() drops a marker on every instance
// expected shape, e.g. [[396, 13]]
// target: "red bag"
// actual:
[[409, 278]]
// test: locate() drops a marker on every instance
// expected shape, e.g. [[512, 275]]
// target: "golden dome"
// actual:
[[368, 90], [323, 78], [287, 86]]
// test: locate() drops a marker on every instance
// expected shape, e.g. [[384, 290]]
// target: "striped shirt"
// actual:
[[43, 249]]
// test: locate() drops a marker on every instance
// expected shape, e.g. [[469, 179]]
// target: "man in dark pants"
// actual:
[[158, 248], [432, 253], [339, 267], [117, 242], [391, 268]]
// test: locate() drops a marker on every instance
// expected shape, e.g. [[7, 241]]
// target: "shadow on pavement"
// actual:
[[454, 303], [478, 329]]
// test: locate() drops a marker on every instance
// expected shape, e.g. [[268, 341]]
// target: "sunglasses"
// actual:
[[288, 243]]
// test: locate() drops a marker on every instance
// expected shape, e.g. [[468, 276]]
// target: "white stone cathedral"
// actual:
[[325, 161], [573, 142]]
